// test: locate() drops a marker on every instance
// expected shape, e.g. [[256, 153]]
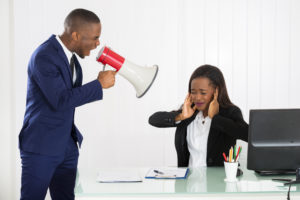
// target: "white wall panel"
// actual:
[[268, 72], [254, 66], [225, 35], [254, 42], [239, 75], [191, 43], [211, 31], [294, 85], [7, 117], [282, 53]]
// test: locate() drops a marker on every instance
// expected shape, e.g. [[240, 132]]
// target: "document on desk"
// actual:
[[167, 173], [118, 176]]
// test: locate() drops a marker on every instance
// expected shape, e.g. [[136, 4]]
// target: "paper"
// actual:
[[118, 176], [167, 173]]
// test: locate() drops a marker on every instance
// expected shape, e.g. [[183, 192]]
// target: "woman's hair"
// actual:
[[216, 78]]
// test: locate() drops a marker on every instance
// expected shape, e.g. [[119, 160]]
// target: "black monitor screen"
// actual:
[[274, 140]]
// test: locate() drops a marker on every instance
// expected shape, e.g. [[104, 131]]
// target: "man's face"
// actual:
[[88, 39]]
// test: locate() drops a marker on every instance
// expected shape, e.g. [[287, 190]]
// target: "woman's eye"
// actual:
[[203, 93]]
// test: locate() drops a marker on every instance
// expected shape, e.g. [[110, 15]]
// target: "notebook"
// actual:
[[167, 173]]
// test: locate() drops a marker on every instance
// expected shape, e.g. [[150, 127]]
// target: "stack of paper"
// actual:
[[118, 176]]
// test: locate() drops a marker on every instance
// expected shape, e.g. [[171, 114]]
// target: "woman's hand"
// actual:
[[187, 110], [214, 105]]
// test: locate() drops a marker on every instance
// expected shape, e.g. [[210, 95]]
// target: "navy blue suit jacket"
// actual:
[[52, 99]]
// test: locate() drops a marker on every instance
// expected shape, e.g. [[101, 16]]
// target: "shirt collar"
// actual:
[[200, 116], [67, 52]]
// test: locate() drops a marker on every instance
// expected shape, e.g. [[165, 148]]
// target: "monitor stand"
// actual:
[[297, 181], [276, 172]]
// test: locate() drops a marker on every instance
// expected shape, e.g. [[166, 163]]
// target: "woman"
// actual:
[[208, 124]]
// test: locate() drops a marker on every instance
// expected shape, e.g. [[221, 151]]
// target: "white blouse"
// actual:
[[197, 136]]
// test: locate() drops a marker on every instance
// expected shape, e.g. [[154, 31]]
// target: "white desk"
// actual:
[[207, 183]]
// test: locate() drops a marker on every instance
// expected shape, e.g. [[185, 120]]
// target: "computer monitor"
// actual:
[[274, 141]]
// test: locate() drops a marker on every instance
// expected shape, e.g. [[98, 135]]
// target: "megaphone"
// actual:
[[140, 77]]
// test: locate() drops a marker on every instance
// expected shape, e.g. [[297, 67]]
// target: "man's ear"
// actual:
[[75, 36]]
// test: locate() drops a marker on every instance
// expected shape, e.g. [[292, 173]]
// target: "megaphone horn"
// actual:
[[140, 77]]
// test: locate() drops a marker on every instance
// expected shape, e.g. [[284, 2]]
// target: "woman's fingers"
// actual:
[[194, 107], [216, 94], [188, 99]]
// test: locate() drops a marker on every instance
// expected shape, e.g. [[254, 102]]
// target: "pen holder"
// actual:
[[230, 171]]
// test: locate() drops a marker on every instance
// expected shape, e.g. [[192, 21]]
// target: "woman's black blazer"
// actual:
[[226, 127]]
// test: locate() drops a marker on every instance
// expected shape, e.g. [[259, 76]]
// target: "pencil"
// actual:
[[224, 155], [230, 154]]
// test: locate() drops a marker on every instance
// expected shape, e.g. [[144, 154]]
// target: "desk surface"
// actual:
[[199, 181]]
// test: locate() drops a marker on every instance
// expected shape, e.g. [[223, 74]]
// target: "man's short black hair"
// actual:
[[80, 17]]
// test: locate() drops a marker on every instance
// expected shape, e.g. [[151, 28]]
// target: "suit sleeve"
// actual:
[[163, 119], [233, 125], [50, 81]]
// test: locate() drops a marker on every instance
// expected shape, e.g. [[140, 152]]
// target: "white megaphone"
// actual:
[[140, 77]]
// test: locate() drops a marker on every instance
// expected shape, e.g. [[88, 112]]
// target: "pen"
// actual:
[[238, 153], [165, 176], [236, 158], [234, 152], [158, 172]]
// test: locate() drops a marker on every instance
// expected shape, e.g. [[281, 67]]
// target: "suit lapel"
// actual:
[[211, 140], [65, 66]]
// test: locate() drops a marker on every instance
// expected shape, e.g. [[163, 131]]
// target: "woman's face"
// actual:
[[202, 93]]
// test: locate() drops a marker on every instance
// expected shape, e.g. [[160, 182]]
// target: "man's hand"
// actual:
[[107, 78], [187, 110], [214, 105]]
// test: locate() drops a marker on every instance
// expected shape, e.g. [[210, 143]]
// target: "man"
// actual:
[[48, 139]]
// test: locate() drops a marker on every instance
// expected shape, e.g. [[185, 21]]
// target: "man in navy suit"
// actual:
[[48, 139]]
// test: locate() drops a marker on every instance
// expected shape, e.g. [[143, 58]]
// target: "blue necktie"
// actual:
[[78, 81], [72, 65]]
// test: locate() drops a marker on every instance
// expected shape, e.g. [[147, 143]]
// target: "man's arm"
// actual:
[[50, 81]]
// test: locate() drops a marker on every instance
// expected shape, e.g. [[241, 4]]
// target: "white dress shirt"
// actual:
[[197, 136], [69, 56]]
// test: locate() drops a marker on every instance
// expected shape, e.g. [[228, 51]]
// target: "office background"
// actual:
[[255, 43]]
